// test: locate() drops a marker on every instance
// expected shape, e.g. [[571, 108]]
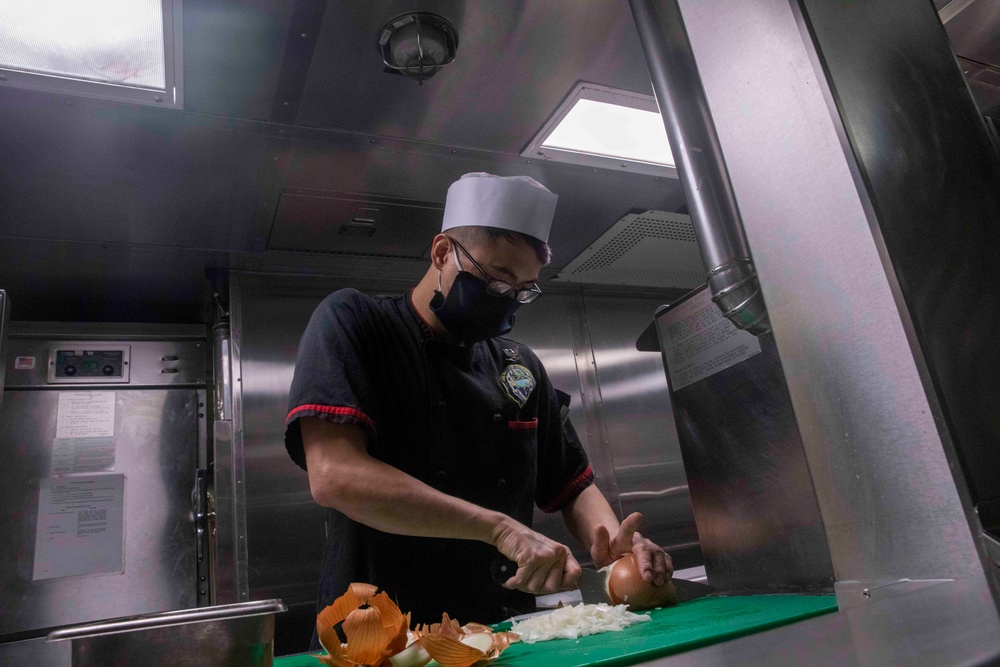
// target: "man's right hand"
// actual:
[[543, 565]]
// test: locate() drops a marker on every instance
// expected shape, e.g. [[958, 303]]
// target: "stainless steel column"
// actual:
[[827, 197]]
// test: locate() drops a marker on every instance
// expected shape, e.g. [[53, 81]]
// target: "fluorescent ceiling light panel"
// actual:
[[109, 41], [600, 128], [607, 128], [123, 50]]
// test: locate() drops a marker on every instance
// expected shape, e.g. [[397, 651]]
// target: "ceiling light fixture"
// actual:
[[417, 44], [127, 50], [603, 127]]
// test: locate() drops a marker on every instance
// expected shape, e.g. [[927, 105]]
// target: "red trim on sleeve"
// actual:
[[514, 425], [571, 490], [334, 410]]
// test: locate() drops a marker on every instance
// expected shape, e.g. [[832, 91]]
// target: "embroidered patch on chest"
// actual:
[[518, 382]]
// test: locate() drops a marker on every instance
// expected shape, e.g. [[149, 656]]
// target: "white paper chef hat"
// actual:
[[517, 203]]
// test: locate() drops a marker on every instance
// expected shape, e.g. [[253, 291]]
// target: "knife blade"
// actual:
[[691, 590], [591, 584], [592, 590]]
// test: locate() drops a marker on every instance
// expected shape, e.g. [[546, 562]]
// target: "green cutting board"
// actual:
[[673, 630]]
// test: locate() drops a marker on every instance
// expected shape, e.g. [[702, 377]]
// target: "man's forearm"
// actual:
[[343, 476], [586, 512]]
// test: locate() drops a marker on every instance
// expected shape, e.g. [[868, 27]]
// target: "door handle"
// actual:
[[200, 509]]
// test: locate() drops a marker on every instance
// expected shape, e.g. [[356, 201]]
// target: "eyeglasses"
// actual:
[[499, 287]]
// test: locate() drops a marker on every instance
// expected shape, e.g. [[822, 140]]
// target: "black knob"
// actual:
[[501, 483], [70, 370], [108, 369], [440, 475]]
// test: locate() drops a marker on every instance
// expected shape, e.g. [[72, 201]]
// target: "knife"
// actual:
[[502, 569], [592, 588], [591, 583]]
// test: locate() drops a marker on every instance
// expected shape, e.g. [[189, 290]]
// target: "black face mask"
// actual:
[[470, 313]]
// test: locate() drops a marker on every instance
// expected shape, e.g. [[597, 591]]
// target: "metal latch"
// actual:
[[200, 509]]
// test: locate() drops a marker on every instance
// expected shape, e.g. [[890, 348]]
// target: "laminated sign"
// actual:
[[698, 341]]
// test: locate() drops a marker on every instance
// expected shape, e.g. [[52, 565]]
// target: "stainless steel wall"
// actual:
[[640, 431], [620, 408], [889, 501]]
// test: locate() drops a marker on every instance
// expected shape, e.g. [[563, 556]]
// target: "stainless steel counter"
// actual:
[[938, 625]]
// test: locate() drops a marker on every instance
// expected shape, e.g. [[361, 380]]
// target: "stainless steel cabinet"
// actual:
[[97, 504]]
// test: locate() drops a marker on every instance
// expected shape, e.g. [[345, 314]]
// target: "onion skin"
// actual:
[[448, 643], [377, 633], [374, 626], [626, 586]]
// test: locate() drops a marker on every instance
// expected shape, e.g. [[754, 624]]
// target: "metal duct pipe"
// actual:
[[732, 279]]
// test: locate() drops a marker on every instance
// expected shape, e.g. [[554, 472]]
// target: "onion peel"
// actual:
[[366, 642], [335, 656], [373, 624], [444, 642]]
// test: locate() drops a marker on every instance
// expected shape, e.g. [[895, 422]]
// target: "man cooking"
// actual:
[[431, 437]]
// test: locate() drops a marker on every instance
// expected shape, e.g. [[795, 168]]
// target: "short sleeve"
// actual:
[[330, 381], [563, 468]]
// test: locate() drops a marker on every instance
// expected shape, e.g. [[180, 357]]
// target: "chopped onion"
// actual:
[[577, 621]]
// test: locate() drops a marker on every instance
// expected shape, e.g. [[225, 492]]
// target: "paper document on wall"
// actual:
[[85, 414], [698, 341], [80, 526], [73, 455]]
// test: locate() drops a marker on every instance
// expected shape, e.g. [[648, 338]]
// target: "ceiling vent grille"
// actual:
[[643, 249]]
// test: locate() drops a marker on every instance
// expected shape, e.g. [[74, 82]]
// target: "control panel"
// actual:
[[94, 363]]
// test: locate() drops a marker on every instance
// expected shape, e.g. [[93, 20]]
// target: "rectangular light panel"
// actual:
[[110, 41], [604, 127], [600, 128]]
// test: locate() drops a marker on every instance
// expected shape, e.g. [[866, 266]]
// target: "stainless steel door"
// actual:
[[156, 445]]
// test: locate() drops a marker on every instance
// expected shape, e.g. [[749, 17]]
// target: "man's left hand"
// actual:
[[655, 564]]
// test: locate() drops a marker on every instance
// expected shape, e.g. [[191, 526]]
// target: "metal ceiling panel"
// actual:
[[232, 55], [82, 170], [352, 224], [590, 200], [516, 60]]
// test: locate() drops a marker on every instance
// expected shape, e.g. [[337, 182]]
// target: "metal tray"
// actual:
[[233, 634]]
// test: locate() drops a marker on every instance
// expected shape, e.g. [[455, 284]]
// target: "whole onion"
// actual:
[[625, 585]]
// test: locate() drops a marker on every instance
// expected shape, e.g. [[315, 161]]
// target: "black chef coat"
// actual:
[[479, 422]]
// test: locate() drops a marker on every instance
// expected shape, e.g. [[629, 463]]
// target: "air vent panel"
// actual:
[[643, 249]]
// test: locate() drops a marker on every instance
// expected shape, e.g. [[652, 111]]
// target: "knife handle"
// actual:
[[502, 569]]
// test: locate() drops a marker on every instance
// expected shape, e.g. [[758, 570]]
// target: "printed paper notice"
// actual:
[[79, 526], [73, 455], [86, 414], [700, 341]]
